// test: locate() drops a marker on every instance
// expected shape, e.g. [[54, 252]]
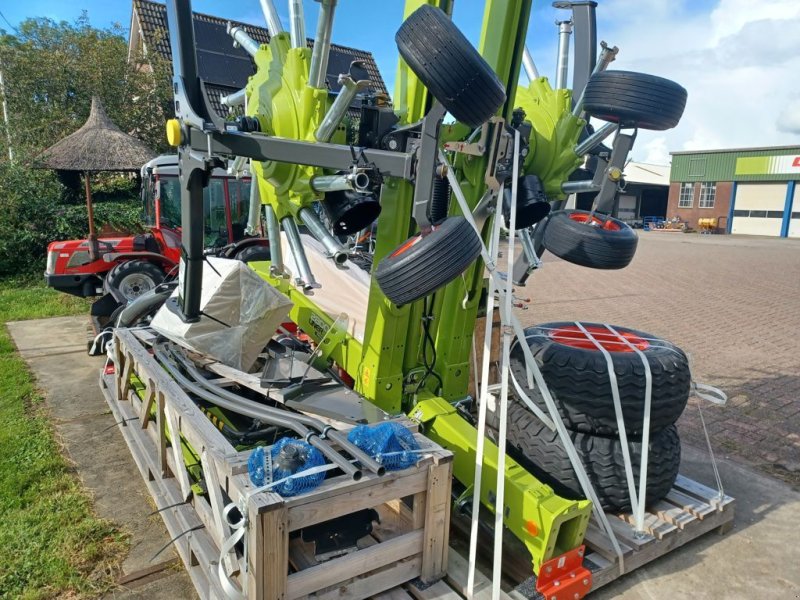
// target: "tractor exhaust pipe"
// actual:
[[562, 67], [241, 38], [274, 25], [322, 44], [303, 277], [607, 56], [297, 23], [356, 182], [337, 111], [332, 246]]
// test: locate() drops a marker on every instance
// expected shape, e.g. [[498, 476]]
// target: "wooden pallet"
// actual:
[[410, 544]]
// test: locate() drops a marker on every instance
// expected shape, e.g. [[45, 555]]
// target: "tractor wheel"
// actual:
[[452, 70], [133, 278], [635, 99], [253, 254], [426, 262], [143, 307], [589, 239], [576, 374], [539, 450]]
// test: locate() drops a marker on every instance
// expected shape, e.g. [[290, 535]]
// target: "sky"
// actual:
[[738, 59]]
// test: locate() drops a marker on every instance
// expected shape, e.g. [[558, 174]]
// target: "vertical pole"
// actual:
[[530, 67], [787, 209], [729, 226], [5, 115], [297, 23], [93, 249], [274, 25], [322, 44], [562, 68]]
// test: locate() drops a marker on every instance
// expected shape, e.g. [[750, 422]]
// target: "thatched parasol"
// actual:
[[97, 146]]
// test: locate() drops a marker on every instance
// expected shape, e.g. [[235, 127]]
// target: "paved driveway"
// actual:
[[732, 303]]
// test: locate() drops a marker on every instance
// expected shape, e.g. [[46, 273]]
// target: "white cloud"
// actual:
[[789, 118]]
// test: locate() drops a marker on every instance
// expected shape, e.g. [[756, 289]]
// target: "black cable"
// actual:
[[428, 339]]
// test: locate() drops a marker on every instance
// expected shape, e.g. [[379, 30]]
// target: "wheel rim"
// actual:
[[572, 335], [136, 284], [595, 221]]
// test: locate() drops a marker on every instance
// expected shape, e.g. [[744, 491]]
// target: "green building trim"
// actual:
[[780, 163]]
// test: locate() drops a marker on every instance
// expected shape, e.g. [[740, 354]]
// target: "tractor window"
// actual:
[[149, 202], [170, 196], [216, 229], [239, 193]]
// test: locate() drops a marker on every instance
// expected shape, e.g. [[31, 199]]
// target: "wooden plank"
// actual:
[[627, 535], [438, 591], [672, 514], [161, 433], [147, 404], [652, 525], [340, 570], [372, 583], [437, 522], [597, 540], [272, 554], [393, 594], [694, 488], [208, 464], [690, 504], [457, 571], [177, 454]]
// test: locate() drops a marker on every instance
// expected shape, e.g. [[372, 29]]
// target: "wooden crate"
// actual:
[[275, 569]]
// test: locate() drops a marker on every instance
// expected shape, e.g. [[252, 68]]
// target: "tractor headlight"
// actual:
[[52, 257]]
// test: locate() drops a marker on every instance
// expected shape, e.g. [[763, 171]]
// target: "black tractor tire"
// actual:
[[426, 262], [635, 99], [589, 239], [577, 377], [449, 66], [539, 450], [130, 279], [253, 254]]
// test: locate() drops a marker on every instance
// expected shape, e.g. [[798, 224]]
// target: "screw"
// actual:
[[549, 569], [585, 582], [557, 582], [577, 596]]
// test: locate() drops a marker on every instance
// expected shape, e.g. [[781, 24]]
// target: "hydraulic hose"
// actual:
[[329, 432], [262, 413]]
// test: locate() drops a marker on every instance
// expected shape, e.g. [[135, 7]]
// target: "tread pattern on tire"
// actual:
[[635, 99], [119, 271], [253, 253], [588, 246], [578, 380], [449, 66], [539, 450], [434, 261]]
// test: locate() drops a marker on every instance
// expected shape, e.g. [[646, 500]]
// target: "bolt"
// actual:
[[557, 582], [549, 569], [388, 386], [577, 597], [585, 582]]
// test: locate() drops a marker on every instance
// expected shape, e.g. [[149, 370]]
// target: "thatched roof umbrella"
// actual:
[[97, 146]]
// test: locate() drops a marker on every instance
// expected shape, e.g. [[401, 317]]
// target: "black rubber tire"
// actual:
[[578, 380], [539, 450], [449, 66], [253, 254], [424, 263], [589, 244], [635, 99], [119, 278]]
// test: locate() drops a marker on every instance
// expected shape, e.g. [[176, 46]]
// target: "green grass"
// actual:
[[51, 544]]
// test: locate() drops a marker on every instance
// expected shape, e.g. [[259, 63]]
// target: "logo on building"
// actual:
[[768, 165]]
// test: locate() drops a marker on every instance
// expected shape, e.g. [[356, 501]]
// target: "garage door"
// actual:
[[626, 209], [758, 208], [794, 224]]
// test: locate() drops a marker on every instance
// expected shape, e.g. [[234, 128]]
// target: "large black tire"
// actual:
[[424, 263], [130, 279], [253, 254], [635, 99], [589, 239], [577, 377], [449, 66], [539, 450]]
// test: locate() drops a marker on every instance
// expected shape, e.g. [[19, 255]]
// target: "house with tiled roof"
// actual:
[[223, 67]]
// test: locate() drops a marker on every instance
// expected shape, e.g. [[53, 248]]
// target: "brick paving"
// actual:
[[731, 303]]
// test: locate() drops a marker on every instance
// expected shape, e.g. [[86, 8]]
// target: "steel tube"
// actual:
[[297, 24], [357, 182], [579, 187], [562, 67], [322, 44], [254, 215], [274, 25], [339, 108], [327, 431], [260, 412], [530, 67], [595, 139], [234, 99], [332, 246], [304, 277], [274, 238], [607, 56], [241, 37]]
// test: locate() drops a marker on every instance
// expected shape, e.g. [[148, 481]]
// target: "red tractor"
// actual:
[[127, 266]]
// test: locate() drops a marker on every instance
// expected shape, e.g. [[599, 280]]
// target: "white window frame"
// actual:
[[708, 194], [686, 186]]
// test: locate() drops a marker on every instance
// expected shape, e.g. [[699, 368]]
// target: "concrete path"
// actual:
[[758, 559], [55, 350]]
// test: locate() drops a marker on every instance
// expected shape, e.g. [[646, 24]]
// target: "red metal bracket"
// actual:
[[564, 577]]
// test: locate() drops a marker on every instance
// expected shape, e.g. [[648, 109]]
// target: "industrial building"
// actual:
[[749, 191]]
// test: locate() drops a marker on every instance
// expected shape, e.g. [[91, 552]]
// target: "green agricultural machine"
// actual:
[[460, 152]]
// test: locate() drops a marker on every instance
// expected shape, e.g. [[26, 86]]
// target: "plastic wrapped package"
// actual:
[[240, 313], [389, 443], [286, 457]]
